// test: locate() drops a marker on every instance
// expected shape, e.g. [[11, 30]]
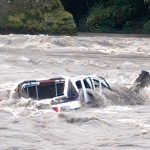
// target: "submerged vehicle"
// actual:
[[61, 92]]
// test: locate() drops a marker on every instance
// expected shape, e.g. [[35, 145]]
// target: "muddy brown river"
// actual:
[[118, 58]]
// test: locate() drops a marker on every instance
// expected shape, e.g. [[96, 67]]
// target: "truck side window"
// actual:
[[96, 83], [78, 84], [72, 93], [87, 85], [30, 91]]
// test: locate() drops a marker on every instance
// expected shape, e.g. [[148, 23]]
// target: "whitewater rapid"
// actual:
[[118, 58]]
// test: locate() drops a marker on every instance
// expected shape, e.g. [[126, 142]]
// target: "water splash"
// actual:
[[25, 124]]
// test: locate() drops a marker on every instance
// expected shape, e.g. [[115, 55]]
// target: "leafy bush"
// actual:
[[46, 16], [49, 16], [133, 27], [147, 27], [115, 16], [98, 19]]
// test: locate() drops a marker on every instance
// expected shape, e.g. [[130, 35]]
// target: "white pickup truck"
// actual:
[[61, 92]]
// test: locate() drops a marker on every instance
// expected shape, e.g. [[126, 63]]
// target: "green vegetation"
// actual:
[[147, 26], [124, 16], [58, 16], [37, 16], [121, 16]]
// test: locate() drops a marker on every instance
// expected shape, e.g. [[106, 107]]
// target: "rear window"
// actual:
[[44, 90]]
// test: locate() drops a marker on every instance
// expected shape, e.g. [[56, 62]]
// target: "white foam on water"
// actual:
[[31, 124], [145, 92], [135, 123]]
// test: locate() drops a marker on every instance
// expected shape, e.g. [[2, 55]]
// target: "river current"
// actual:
[[118, 58]]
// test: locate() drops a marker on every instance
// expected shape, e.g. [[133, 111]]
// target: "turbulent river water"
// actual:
[[118, 58]]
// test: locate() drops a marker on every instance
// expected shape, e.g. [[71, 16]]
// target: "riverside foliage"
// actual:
[[123, 16], [36, 16], [65, 16]]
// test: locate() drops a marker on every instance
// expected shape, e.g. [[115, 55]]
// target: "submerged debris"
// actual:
[[142, 81], [141, 86]]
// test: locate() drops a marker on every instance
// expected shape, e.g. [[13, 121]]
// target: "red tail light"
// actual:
[[55, 109]]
